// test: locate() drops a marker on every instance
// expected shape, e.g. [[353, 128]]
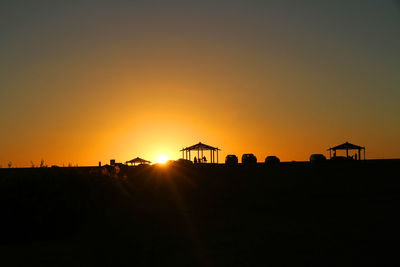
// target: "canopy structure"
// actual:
[[200, 147], [138, 161], [347, 146]]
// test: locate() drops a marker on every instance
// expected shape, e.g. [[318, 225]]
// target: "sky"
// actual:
[[89, 81]]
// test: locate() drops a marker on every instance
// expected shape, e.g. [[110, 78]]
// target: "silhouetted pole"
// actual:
[[217, 156], [359, 154], [347, 152]]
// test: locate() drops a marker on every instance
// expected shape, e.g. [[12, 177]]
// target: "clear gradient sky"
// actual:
[[87, 81]]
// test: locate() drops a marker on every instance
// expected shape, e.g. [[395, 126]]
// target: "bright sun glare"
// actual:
[[162, 159]]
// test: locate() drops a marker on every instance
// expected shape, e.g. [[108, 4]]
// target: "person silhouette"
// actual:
[[204, 159], [195, 160], [355, 156]]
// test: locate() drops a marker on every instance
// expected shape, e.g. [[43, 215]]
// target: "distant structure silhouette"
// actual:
[[138, 160], [347, 146], [200, 148]]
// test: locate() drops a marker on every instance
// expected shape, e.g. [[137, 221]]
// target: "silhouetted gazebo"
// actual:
[[347, 146], [138, 161], [200, 147]]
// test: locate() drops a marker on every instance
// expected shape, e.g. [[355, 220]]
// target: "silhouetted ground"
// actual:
[[333, 214]]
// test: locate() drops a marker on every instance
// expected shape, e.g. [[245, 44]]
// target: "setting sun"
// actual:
[[162, 159]]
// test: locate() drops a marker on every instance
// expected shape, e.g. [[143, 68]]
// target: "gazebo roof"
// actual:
[[199, 146], [138, 160], [345, 146]]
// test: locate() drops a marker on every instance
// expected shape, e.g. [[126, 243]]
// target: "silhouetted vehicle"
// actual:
[[341, 159], [249, 159], [272, 160], [317, 158], [231, 159]]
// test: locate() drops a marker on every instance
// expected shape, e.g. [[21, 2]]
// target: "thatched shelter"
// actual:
[[200, 148], [347, 146], [137, 160]]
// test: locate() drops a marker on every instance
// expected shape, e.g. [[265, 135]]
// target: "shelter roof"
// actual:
[[200, 146], [138, 160], [345, 146]]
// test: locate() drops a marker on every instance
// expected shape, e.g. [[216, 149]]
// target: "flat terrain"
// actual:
[[332, 214]]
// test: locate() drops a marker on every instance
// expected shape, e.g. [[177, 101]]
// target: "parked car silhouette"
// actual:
[[231, 159], [317, 158], [272, 160], [249, 159]]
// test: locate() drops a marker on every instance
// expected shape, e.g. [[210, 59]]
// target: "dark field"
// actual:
[[340, 214]]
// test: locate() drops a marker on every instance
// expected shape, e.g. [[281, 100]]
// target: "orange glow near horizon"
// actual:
[[162, 159]]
